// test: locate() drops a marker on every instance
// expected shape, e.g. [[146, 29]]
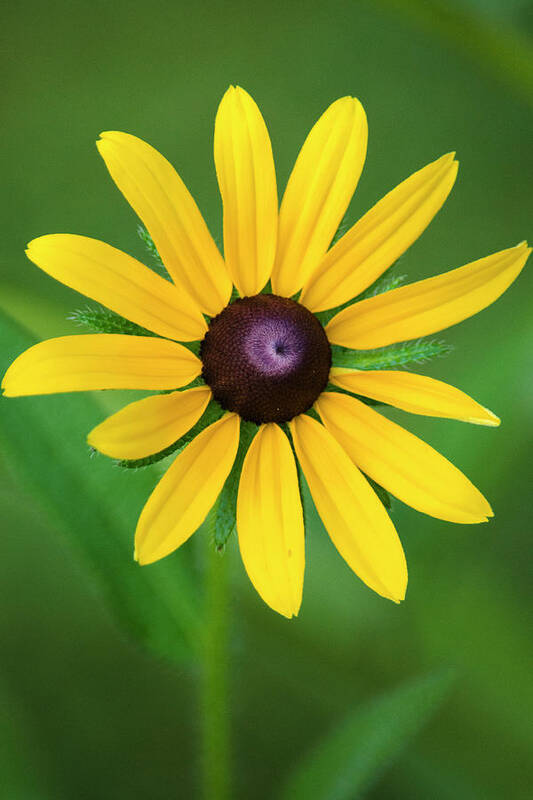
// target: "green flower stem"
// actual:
[[214, 680]]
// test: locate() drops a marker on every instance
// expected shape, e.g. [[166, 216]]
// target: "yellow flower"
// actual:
[[265, 357]]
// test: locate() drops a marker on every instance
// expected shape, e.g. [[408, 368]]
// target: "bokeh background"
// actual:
[[85, 712]]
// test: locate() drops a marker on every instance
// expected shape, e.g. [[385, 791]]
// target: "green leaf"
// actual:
[[352, 757], [415, 352], [96, 506], [222, 518]]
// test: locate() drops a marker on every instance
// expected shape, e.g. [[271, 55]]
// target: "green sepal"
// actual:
[[223, 516], [152, 249], [398, 355], [102, 320], [383, 284], [312, 412], [369, 401], [344, 227], [212, 413]]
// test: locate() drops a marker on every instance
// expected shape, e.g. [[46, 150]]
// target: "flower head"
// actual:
[[274, 356]]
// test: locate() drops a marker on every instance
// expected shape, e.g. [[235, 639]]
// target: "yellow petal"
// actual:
[[270, 521], [120, 283], [402, 463], [247, 180], [379, 238], [157, 194], [415, 393], [181, 500], [319, 190], [356, 521], [150, 425], [100, 361], [427, 306]]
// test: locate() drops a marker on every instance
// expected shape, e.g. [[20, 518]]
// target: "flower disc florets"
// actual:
[[266, 357]]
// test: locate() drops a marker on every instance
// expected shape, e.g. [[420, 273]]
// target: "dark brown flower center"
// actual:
[[266, 357]]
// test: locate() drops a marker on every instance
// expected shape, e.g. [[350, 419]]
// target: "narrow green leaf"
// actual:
[[102, 320], [352, 757], [415, 352], [96, 506]]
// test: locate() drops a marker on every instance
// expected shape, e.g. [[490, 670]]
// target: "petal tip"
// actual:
[[230, 92], [523, 249], [143, 555], [7, 384], [398, 595], [35, 244], [491, 419], [489, 512], [488, 419], [141, 558], [94, 441], [107, 135], [447, 159], [289, 612]]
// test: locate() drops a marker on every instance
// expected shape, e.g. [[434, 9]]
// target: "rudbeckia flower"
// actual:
[[264, 355]]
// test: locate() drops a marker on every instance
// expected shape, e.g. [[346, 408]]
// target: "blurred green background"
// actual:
[[85, 712]]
